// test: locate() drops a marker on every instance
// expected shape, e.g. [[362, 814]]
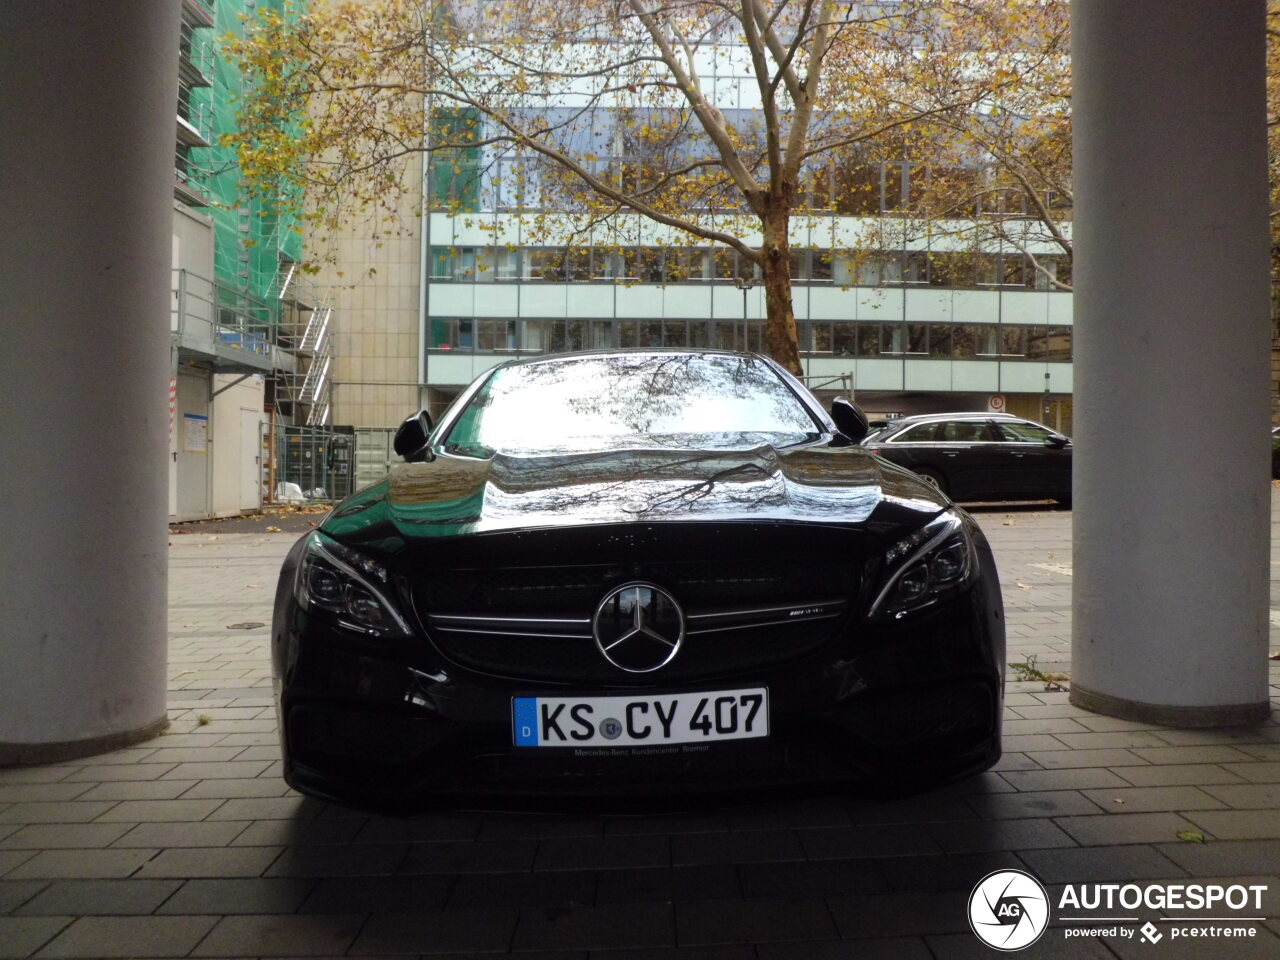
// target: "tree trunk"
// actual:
[[780, 329]]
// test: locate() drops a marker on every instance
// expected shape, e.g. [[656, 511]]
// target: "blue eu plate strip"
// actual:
[[526, 721]]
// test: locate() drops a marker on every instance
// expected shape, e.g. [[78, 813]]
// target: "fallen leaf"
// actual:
[[274, 530], [1190, 836]]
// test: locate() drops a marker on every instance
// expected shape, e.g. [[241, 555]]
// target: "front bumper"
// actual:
[[890, 708]]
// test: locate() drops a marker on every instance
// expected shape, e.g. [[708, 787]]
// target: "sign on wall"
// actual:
[[195, 433], [995, 403]]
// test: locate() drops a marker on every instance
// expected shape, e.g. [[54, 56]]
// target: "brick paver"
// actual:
[[192, 845]]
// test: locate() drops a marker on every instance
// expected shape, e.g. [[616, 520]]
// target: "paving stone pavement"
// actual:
[[190, 845]]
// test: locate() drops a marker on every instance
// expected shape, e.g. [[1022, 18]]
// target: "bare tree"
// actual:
[[722, 120]]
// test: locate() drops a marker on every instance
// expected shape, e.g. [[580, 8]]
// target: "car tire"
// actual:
[[933, 477]]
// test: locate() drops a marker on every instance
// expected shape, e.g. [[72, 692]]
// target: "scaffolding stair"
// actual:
[[284, 279], [307, 391], [313, 383], [317, 330]]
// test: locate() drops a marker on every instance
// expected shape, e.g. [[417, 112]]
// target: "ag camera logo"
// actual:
[[1008, 910]]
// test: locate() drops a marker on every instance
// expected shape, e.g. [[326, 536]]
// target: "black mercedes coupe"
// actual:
[[628, 574]]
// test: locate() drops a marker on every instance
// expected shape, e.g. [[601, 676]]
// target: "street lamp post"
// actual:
[[744, 284]]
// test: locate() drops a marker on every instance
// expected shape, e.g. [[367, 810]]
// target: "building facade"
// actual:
[[901, 332]]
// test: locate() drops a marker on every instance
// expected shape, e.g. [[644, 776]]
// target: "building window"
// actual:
[[450, 334], [915, 267], [987, 341], [495, 336], [1051, 344], [682, 264], [496, 263], [533, 336], [918, 339], [868, 339], [642, 264], [1015, 271], [1050, 269], [940, 340], [1012, 341], [464, 264], [964, 340], [724, 263], [726, 335], [856, 190], [546, 264], [605, 265], [844, 338], [841, 338], [820, 266]]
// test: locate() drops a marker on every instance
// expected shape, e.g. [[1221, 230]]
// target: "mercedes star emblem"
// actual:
[[638, 627]]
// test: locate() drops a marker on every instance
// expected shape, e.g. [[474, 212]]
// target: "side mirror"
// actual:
[[411, 437], [1056, 442], [850, 420]]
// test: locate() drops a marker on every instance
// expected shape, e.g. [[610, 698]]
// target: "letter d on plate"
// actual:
[[525, 710]]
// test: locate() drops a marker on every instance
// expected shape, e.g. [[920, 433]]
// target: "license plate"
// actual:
[[630, 721]]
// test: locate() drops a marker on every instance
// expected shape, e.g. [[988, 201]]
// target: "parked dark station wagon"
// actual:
[[979, 456], [635, 573]]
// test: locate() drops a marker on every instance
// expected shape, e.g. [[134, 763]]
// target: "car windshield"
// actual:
[[631, 401]]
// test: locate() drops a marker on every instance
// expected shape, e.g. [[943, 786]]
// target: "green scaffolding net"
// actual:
[[252, 239]]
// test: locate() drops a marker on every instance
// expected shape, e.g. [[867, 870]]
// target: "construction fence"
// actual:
[[319, 464]]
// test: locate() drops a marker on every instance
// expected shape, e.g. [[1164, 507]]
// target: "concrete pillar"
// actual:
[[1172, 500], [87, 107]]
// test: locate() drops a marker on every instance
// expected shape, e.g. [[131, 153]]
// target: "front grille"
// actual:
[[535, 622], [545, 591], [530, 591]]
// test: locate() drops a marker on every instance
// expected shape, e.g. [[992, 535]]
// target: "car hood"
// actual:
[[452, 496]]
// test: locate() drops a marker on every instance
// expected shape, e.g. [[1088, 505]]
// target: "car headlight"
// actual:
[[933, 563], [354, 588]]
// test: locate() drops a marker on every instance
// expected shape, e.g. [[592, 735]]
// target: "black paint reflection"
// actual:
[[631, 401], [639, 437]]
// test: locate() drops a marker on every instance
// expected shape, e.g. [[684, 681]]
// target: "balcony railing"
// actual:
[[198, 12], [209, 318], [195, 119], [196, 55], [191, 180]]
